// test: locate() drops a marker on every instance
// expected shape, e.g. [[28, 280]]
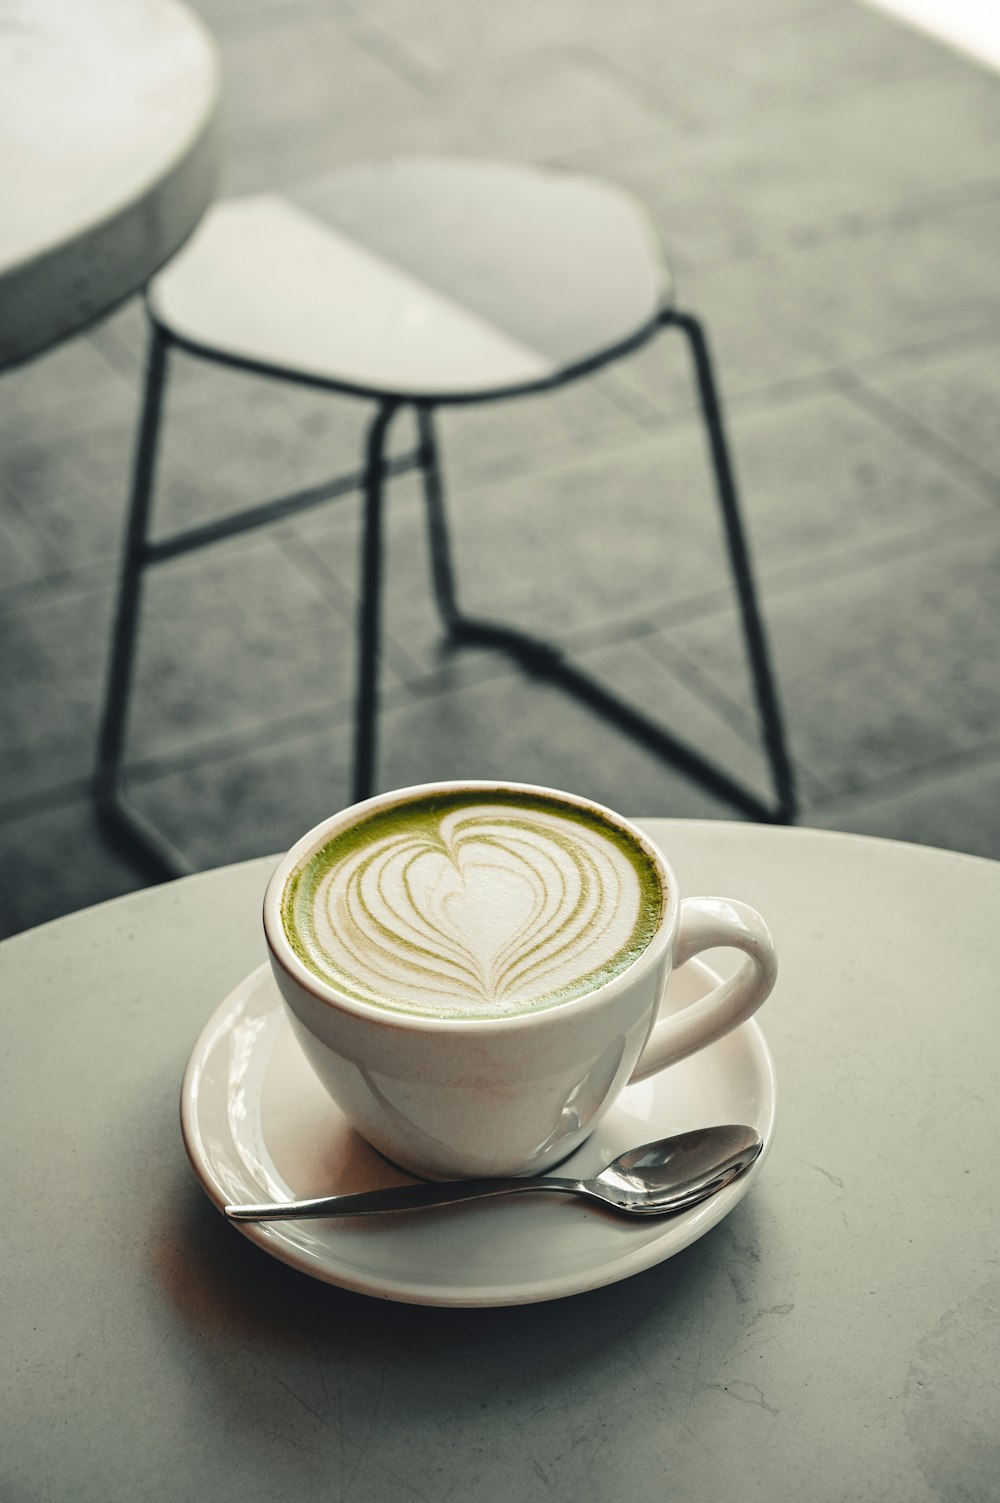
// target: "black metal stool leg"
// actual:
[[442, 572], [739, 556], [369, 611], [155, 852]]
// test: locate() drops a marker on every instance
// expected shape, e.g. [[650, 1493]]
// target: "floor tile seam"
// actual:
[[758, 401], [150, 769], [303, 725], [744, 724], [773, 396], [97, 577], [464, 477], [789, 390], [432, 111], [75, 583], [287, 733], [489, 666], [621, 421], [79, 421], [934, 539], [786, 580], [245, 17], [776, 114], [313, 569], [249, 11], [684, 668], [286, 730], [942, 346], [785, 394], [101, 575], [189, 379], [787, 577], [720, 600], [814, 236], [536, 62], [305, 563], [87, 331], [184, 381], [966, 193], [370, 33], [581, 644], [596, 382], [710, 133], [24, 519], [630, 437], [628, 397], [238, 7], [946, 69], [56, 796], [913, 208], [115, 350], [674, 115], [449, 75], [66, 415], [253, 138], [912, 779], [703, 126], [896, 418], [18, 540], [818, 800], [603, 28], [600, 159]]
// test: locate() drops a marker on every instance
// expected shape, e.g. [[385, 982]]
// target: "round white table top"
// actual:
[[834, 1337], [107, 155]]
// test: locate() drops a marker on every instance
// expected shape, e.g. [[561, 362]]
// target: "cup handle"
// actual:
[[707, 924]]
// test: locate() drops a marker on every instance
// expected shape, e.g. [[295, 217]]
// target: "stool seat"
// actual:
[[433, 279]]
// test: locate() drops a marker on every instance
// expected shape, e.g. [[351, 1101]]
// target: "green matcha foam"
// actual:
[[474, 903]]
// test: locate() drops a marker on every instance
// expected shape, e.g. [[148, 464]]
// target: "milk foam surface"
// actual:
[[453, 905]]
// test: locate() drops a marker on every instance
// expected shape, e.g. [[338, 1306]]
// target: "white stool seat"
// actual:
[[426, 278]]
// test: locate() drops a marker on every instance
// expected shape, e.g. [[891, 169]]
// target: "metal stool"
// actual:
[[421, 283]]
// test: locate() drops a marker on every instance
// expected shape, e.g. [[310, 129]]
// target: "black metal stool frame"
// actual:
[[538, 657]]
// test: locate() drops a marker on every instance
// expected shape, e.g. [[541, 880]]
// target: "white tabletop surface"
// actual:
[[835, 1337], [107, 155]]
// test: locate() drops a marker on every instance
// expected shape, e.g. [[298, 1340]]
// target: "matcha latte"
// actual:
[[473, 903]]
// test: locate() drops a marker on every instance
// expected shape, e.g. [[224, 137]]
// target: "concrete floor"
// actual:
[[828, 183]]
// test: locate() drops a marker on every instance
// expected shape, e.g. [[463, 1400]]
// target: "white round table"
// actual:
[[834, 1337], [108, 156]]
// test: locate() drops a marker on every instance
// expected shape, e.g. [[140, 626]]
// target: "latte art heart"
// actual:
[[478, 910]]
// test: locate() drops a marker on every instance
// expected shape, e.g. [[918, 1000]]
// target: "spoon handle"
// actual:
[[397, 1198]]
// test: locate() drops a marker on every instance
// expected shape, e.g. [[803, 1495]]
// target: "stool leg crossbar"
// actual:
[[160, 858]]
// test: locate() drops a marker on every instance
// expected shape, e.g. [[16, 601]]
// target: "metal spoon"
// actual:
[[649, 1181]]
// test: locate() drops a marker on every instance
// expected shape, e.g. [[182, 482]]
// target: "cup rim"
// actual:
[[283, 954]]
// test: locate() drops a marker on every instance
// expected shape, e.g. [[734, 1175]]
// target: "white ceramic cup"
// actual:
[[463, 1097]]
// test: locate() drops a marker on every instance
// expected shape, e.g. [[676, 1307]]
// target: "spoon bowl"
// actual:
[[653, 1180]]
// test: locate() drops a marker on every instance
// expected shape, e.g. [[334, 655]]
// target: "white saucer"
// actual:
[[258, 1126]]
